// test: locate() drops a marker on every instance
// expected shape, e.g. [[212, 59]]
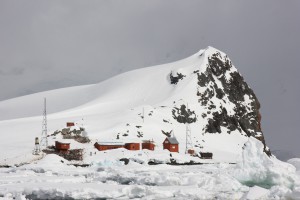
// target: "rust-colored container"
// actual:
[[107, 146], [147, 144], [60, 146], [70, 124], [132, 146], [191, 151]]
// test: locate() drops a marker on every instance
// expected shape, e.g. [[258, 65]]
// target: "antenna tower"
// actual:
[[189, 144], [44, 139]]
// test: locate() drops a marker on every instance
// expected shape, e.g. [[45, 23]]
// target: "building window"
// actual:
[[173, 147]]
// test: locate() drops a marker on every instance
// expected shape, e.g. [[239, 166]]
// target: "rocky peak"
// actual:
[[225, 98]]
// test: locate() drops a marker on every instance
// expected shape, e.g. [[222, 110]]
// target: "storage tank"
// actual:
[[37, 140]]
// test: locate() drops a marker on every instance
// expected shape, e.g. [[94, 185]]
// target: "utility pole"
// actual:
[[44, 138], [188, 144]]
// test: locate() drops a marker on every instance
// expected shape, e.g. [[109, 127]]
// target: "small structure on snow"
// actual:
[[36, 149], [148, 144], [62, 147], [132, 146], [191, 151], [171, 144], [116, 145], [108, 145], [70, 124], [206, 155]]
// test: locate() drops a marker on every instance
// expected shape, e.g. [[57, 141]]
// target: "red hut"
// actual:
[[108, 145], [132, 146], [171, 144], [191, 151], [60, 146], [70, 124], [148, 144]]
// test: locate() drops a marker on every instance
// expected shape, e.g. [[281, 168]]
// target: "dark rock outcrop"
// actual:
[[176, 78], [184, 115], [231, 85]]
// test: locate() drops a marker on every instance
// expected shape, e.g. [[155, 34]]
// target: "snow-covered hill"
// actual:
[[204, 90]]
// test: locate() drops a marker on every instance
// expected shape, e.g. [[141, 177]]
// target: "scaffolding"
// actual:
[[44, 138], [189, 143], [188, 139]]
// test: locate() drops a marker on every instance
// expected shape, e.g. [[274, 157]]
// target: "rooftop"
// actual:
[[173, 140]]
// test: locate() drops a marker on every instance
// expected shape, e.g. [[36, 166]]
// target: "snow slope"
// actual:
[[113, 109], [205, 89]]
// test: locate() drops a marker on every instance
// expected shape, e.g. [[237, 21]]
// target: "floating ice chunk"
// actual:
[[279, 192], [256, 168], [256, 192]]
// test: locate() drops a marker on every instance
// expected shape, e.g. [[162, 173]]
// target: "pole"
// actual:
[[44, 138]]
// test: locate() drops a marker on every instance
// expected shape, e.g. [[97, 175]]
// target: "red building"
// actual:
[[108, 146], [70, 124], [171, 144], [60, 146], [191, 151], [132, 146], [148, 144]]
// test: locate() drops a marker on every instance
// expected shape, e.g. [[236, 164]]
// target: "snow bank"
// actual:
[[256, 168], [107, 163], [256, 193], [50, 162]]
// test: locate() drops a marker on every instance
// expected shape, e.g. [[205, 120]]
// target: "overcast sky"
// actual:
[[52, 44]]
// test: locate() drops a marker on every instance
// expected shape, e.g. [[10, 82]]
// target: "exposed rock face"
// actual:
[[184, 115], [176, 78], [221, 82]]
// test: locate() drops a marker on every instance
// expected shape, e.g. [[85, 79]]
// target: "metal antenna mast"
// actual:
[[189, 144], [44, 139]]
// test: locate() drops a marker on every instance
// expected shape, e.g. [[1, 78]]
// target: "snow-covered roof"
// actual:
[[173, 140], [110, 143], [63, 142]]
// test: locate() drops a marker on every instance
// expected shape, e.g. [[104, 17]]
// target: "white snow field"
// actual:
[[112, 111], [259, 177]]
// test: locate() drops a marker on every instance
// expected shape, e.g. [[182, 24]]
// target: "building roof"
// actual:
[[172, 140], [110, 143], [148, 141], [132, 143], [62, 142]]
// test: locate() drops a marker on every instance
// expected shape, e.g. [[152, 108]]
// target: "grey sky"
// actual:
[[51, 44]]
